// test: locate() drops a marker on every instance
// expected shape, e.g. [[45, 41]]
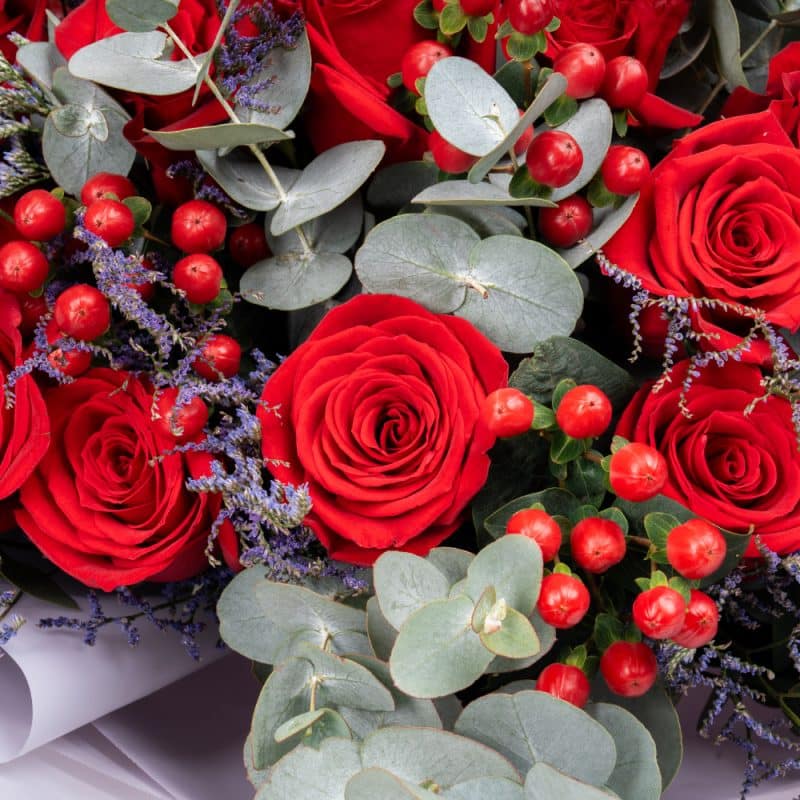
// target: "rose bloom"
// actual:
[[733, 469], [24, 427], [99, 505], [379, 412]]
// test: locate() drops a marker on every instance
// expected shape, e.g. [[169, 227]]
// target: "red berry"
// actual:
[[539, 526], [637, 472], [199, 276], [477, 8], [524, 142], [625, 170], [111, 220], [146, 290], [183, 422], [529, 16], [625, 82], [33, 309], [554, 158], [629, 668], [584, 68], [563, 600], [567, 223], [597, 544], [419, 59], [584, 411], [23, 267], [39, 216], [659, 612], [447, 156], [565, 681], [70, 362], [507, 412], [104, 184], [248, 244], [701, 623], [198, 227], [82, 312], [220, 357], [696, 549]]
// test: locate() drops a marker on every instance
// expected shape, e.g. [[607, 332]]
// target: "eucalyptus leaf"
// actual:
[[396, 185], [515, 639], [373, 783], [547, 638], [142, 15], [256, 776], [463, 192], [303, 722], [40, 60], [334, 232], [227, 134], [451, 562], [544, 782], [723, 21], [485, 789], [485, 221], [382, 635]]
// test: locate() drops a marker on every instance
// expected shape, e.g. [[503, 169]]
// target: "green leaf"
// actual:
[[522, 185], [546, 635], [313, 727], [621, 123], [543, 417], [607, 630], [396, 185], [725, 25], [143, 15], [382, 635], [587, 481], [452, 19], [544, 782], [557, 502], [564, 449], [561, 388], [425, 16], [210, 137], [372, 783], [140, 207], [615, 515], [563, 109], [478, 28], [515, 639], [524, 48], [463, 192], [681, 586], [657, 526], [518, 81], [40, 60], [451, 562]]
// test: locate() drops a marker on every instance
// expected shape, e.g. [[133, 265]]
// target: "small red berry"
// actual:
[[477, 8], [625, 82], [199, 276], [629, 668], [146, 290], [247, 244], [597, 544], [39, 216], [419, 59], [567, 223], [565, 681], [220, 357], [23, 267], [563, 600], [529, 16], [82, 312], [447, 156], [554, 158], [696, 549], [507, 412], [701, 623], [539, 526], [70, 362], [183, 422], [584, 67], [104, 184], [659, 612], [111, 220], [625, 170], [33, 309], [198, 227], [637, 472], [524, 142], [584, 411]]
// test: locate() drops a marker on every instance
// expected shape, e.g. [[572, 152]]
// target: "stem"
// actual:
[[591, 582], [640, 540]]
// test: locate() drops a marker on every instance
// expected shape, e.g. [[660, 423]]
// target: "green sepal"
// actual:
[[621, 122], [561, 388], [452, 19], [607, 630], [140, 208], [524, 48], [523, 185], [553, 25], [681, 586], [395, 80], [564, 449], [478, 27], [425, 16], [562, 110], [598, 195], [543, 417], [577, 656]]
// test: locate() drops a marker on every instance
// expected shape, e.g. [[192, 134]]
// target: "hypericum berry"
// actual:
[[567, 223], [23, 267], [524, 142], [70, 362], [247, 244], [659, 612], [220, 356], [419, 59], [565, 681], [701, 623], [554, 158], [111, 220], [82, 312], [183, 422], [584, 411], [477, 8], [447, 156], [199, 276], [625, 82], [597, 544], [696, 549], [198, 227], [507, 412], [629, 668], [625, 170], [539, 526], [106, 184], [637, 472], [39, 216], [529, 16], [584, 67], [563, 600], [33, 309]]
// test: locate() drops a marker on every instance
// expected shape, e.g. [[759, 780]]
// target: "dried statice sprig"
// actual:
[[9, 628]]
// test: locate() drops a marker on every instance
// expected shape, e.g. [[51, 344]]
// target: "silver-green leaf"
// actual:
[[227, 134], [142, 15]]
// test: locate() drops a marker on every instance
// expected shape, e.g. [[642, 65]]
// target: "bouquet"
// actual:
[[443, 354]]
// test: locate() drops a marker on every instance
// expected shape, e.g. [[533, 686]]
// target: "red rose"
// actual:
[[378, 412], [732, 468], [99, 506], [27, 17], [24, 427]]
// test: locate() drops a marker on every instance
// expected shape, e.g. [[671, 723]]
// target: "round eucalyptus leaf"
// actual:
[[40, 60], [485, 788], [449, 193], [546, 783], [143, 15], [485, 221], [382, 635], [396, 185], [227, 134], [373, 783], [467, 106], [547, 638], [255, 776], [515, 639], [451, 562], [303, 722], [334, 232]]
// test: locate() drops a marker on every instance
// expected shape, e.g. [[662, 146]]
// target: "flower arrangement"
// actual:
[[315, 319]]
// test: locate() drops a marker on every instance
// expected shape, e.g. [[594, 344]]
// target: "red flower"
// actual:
[[100, 506], [378, 411], [24, 427], [27, 17], [731, 468]]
